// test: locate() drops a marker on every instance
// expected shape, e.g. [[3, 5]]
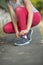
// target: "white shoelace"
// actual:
[[25, 36]]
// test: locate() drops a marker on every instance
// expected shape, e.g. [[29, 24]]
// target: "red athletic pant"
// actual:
[[22, 15]]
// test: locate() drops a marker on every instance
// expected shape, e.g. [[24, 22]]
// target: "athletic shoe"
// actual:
[[22, 41]]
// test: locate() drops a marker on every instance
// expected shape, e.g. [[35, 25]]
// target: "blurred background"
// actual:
[[5, 17], [37, 3]]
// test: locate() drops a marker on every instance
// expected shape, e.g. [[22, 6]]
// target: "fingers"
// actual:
[[17, 35], [23, 32]]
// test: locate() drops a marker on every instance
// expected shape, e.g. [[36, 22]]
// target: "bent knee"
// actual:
[[7, 27], [21, 10]]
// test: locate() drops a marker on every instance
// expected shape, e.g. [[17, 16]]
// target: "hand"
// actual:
[[23, 32], [17, 34]]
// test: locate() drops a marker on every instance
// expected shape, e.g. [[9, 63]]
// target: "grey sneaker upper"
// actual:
[[29, 35], [22, 41]]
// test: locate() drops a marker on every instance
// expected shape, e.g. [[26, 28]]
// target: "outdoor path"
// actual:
[[31, 54]]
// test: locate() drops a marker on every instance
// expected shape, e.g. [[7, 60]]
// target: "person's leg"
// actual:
[[21, 13], [35, 22]]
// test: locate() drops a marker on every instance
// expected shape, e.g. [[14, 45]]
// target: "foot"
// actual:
[[22, 41]]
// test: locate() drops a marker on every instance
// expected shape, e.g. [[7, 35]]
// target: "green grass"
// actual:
[[3, 5]]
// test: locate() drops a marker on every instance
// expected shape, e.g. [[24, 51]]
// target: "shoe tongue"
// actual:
[[25, 36]]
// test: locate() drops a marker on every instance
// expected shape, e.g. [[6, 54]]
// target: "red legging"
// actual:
[[22, 15]]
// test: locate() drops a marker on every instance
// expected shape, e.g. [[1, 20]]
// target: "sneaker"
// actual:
[[29, 35], [22, 41]]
